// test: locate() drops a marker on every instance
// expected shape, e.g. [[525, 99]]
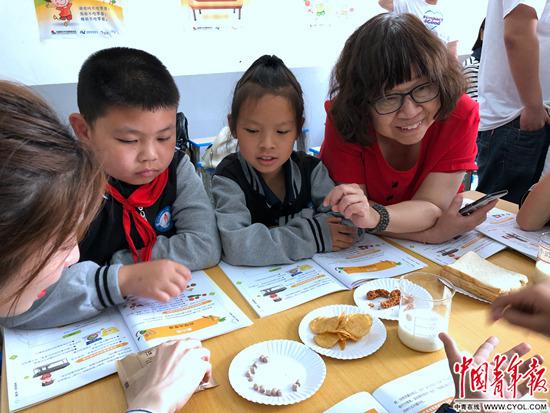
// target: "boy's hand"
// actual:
[[160, 279], [342, 235]]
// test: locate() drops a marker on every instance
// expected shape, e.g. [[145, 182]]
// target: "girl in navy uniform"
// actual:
[[267, 196]]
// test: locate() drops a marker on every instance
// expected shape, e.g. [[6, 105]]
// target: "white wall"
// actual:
[[205, 64]]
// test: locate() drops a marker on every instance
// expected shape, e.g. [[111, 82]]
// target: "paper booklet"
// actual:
[[448, 252], [421, 391], [270, 290], [42, 364], [501, 226]]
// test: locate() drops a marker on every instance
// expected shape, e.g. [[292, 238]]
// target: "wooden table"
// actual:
[[468, 325]]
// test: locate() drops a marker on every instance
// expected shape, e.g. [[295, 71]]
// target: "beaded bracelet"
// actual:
[[384, 219]]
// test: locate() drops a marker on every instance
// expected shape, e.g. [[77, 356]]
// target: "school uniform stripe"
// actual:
[[98, 290], [320, 233], [106, 285], [314, 234]]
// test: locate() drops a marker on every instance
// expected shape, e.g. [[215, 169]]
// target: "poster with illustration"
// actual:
[[215, 15], [59, 19], [330, 13]]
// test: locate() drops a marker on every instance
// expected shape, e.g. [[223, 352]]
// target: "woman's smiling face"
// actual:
[[409, 124]]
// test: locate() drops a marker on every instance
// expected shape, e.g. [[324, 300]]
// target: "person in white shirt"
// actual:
[[514, 96], [434, 16]]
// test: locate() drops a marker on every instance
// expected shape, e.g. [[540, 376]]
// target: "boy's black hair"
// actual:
[[269, 75], [124, 77]]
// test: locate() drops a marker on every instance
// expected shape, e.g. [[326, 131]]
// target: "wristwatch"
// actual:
[[445, 408], [384, 219]]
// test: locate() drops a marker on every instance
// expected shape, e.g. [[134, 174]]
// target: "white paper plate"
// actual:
[[392, 313], [354, 350], [288, 361]]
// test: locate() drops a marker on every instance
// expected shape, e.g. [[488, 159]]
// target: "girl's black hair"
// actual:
[[269, 75]]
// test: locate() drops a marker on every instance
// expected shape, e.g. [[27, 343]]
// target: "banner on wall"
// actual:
[[327, 13], [215, 14], [61, 19]]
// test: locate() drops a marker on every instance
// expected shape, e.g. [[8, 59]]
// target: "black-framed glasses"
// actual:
[[392, 103]]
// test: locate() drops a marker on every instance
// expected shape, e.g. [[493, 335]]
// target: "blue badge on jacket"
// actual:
[[163, 221]]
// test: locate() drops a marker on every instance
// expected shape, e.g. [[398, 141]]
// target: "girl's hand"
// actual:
[[160, 280], [342, 235], [451, 223], [173, 376], [352, 203]]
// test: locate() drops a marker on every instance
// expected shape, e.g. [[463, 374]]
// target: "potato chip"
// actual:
[[347, 335], [326, 340], [358, 325], [321, 325], [342, 343], [337, 330]]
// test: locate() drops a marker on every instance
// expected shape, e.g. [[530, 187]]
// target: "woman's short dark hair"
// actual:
[[269, 75], [386, 51]]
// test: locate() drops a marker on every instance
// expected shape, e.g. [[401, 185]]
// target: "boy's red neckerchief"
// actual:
[[143, 197]]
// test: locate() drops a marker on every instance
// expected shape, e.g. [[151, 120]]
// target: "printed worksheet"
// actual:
[[421, 391], [501, 226], [448, 252], [270, 290], [371, 257], [41, 364], [202, 311]]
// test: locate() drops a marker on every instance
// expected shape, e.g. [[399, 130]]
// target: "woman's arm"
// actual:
[[440, 189], [535, 211], [418, 214]]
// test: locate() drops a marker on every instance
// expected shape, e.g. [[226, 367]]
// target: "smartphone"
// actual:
[[468, 209]]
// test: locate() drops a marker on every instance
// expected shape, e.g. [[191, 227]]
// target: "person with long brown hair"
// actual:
[[400, 132], [50, 191]]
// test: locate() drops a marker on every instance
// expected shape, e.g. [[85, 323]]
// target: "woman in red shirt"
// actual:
[[401, 131]]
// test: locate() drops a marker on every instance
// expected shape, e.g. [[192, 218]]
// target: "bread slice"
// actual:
[[481, 277]]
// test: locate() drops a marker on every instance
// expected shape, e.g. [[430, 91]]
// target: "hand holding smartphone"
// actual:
[[481, 202]]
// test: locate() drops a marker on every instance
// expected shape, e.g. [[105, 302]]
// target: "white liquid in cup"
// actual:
[[542, 271], [419, 329]]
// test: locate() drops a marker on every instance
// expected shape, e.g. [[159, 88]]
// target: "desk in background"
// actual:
[[468, 325]]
